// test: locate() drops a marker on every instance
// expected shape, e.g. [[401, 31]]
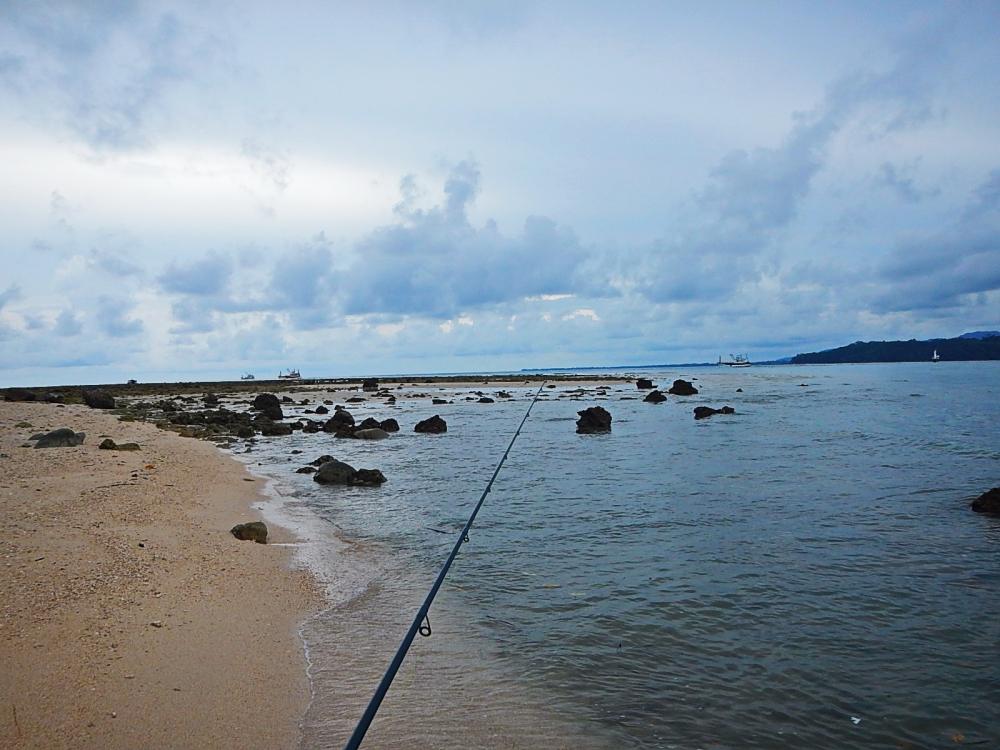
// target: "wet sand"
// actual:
[[129, 616]]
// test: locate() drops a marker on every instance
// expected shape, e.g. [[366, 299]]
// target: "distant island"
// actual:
[[976, 345]]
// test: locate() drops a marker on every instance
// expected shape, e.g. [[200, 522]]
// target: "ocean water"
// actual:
[[804, 573]]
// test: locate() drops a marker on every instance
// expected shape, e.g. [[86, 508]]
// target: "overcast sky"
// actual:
[[196, 190]]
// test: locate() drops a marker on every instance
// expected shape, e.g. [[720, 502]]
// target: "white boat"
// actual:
[[736, 360], [936, 357], [248, 376], [289, 375]]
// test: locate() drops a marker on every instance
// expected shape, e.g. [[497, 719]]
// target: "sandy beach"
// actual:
[[129, 615]]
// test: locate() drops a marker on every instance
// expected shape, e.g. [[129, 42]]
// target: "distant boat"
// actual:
[[289, 375], [248, 376], [736, 360], [936, 357]]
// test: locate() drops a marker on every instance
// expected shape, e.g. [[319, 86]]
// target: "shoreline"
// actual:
[[130, 615]]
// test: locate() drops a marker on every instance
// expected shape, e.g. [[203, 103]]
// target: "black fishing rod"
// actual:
[[421, 622]]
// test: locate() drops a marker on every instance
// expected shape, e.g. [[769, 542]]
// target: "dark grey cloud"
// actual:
[[939, 270], [207, 276], [435, 262], [114, 317]]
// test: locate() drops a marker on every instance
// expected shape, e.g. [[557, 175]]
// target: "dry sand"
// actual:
[[129, 616]]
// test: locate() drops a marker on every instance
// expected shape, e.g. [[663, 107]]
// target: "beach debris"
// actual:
[[98, 399], [655, 397], [682, 388], [703, 412], [389, 425], [268, 405], [644, 384], [988, 502], [255, 531], [594, 420], [61, 438], [338, 472], [110, 445], [431, 425]]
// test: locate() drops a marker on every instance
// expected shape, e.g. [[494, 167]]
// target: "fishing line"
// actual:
[[421, 622]]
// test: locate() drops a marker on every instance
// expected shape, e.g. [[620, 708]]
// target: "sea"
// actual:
[[804, 573]]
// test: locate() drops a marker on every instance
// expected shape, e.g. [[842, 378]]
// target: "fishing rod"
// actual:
[[421, 622]]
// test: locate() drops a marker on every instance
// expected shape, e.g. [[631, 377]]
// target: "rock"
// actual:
[[328, 402], [128, 447], [211, 399], [390, 400], [268, 404], [486, 400], [655, 397], [108, 445], [309, 426], [356, 399], [335, 472], [321, 460], [287, 400], [368, 478], [61, 438], [439, 401], [273, 429], [682, 388], [739, 390], [322, 409], [431, 425], [503, 394], [255, 531], [593, 420], [369, 423], [244, 431], [97, 399], [988, 502], [644, 384], [341, 418], [306, 470], [369, 384], [703, 412], [19, 394], [371, 433], [389, 425]]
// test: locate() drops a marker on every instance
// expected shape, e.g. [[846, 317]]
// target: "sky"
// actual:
[[199, 190]]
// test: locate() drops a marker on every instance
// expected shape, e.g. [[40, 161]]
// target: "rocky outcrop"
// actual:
[[341, 418], [211, 399], [655, 397], [61, 438], [644, 384], [269, 405], [703, 412], [593, 420], [988, 502], [338, 472], [389, 425], [371, 433], [682, 388], [19, 394], [255, 531], [97, 399], [431, 425]]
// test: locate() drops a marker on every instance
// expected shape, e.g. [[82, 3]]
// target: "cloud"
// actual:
[[434, 262], [110, 263], [202, 277], [901, 182], [112, 318], [270, 164], [11, 294], [67, 324]]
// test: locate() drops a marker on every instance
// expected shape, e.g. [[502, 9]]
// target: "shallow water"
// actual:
[[745, 581]]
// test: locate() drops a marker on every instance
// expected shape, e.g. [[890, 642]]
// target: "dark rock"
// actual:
[[486, 400], [287, 400], [703, 412], [432, 425], [341, 418], [988, 502], [337, 472], [739, 390], [368, 478], [389, 425], [128, 447], [371, 433], [310, 427], [211, 399], [268, 403], [273, 429], [503, 394], [356, 399], [391, 400], [255, 531], [655, 397], [306, 470], [438, 401], [19, 394], [644, 383], [369, 384], [322, 409], [321, 460], [369, 423], [593, 420], [244, 431], [97, 399], [108, 445], [682, 388], [328, 402], [61, 438]]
